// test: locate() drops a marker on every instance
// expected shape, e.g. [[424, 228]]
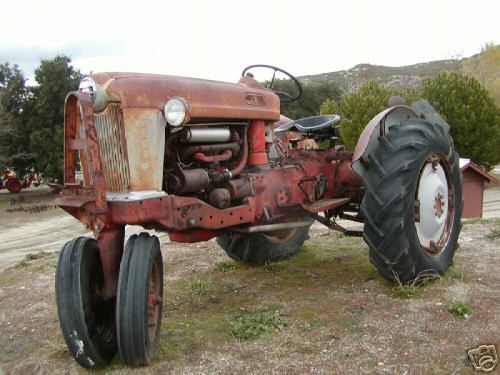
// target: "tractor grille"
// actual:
[[113, 149]]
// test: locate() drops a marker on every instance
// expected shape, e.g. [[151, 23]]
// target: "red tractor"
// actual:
[[202, 159], [10, 181]]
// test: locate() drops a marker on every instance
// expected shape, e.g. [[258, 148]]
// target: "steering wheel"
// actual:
[[285, 97]]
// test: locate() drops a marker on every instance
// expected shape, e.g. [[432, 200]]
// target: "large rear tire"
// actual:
[[139, 302], [413, 201], [87, 320], [261, 248]]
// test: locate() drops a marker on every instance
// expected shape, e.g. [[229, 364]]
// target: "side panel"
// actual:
[[145, 134]]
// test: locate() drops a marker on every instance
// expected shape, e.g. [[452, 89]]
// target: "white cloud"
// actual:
[[216, 39]]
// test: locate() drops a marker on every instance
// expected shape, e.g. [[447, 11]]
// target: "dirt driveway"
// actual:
[[46, 228]]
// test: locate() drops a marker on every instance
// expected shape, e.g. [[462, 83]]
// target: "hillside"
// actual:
[[393, 77]]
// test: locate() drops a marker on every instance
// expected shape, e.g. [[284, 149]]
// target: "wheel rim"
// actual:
[[434, 205], [154, 301], [279, 236]]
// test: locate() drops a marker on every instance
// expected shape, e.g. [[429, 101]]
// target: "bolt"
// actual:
[[417, 210], [435, 161], [438, 205], [432, 247], [192, 221]]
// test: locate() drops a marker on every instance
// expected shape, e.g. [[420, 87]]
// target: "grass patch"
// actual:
[[454, 274], [225, 267], [29, 257], [248, 324], [481, 221], [272, 267], [494, 234], [405, 291], [411, 289], [180, 338], [347, 324], [313, 324], [58, 352], [200, 288], [458, 308]]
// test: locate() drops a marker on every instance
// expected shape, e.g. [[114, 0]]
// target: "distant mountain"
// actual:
[[392, 77]]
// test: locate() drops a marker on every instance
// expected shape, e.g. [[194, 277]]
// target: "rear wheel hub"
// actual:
[[434, 216]]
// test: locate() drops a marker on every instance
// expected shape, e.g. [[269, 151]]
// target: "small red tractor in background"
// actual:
[[10, 181], [203, 159]]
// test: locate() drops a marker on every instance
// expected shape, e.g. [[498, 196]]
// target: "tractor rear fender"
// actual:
[[377, 127]]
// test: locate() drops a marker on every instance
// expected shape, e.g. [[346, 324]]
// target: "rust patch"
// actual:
[[145, 134], [207, 99]]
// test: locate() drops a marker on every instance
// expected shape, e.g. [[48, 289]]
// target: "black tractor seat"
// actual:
[[309, 124]]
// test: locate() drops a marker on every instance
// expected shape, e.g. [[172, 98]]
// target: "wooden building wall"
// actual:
[[473, 185]]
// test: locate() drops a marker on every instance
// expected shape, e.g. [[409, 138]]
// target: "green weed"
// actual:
[[453, 274], [225, 267], [200, 288], [494, 234], [29, 257], [411, 289], [458, 308], [405, 291], [247, 324]]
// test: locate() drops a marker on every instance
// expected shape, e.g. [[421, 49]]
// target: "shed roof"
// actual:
[[468, 164]]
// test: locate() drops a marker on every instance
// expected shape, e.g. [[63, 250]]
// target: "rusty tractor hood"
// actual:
[[207, 99]]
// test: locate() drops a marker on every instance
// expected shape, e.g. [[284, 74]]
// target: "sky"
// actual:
[[216, 39]]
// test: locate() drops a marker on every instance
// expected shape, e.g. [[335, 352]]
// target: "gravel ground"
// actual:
[[341, 320]]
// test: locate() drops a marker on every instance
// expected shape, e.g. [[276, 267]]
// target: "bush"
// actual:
[[357, 109], [473, 116]]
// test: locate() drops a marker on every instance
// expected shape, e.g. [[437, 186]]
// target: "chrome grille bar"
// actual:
[[113, 150]]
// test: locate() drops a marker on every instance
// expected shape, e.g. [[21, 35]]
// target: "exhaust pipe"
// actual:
[[273, 227], [206, 135]]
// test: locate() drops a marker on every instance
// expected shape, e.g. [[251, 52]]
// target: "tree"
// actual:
[[471, 112], [357, 109], [485, 67], [14, 133], [309, 103], [55, 78]]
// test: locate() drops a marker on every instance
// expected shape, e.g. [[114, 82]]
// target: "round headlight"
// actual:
[[99, 97], [88, 85], [175, 112]]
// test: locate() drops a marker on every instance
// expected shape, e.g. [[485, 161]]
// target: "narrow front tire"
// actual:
[[87, 320], [139, 301]]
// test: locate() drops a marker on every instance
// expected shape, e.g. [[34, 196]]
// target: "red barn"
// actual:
[[473, 185]]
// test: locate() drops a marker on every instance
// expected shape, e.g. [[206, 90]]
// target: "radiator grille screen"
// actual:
[[113, 149]]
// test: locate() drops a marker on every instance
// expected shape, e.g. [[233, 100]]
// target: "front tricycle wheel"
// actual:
[[87, 319], [413, 201], [140, 299]]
